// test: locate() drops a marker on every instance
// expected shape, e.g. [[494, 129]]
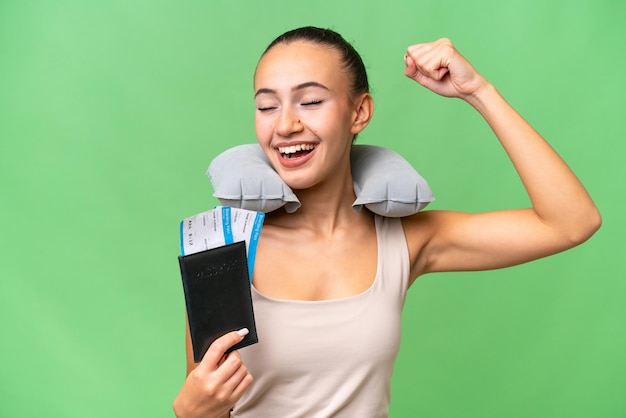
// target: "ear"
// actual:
[[363, 111]]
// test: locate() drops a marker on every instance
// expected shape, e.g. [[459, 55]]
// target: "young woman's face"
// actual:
[[304, 115]]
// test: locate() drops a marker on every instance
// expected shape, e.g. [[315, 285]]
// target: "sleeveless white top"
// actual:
[[330, 358]]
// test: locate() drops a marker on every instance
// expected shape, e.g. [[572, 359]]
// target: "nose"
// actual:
[[287, 123]]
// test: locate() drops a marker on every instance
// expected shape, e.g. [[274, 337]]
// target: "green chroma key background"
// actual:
[[111, 111]]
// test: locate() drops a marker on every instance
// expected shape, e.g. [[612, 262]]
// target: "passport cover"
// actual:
[[216, 284]]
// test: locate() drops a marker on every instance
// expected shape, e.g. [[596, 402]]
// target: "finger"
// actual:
[[233, 377], [239, 382], [433, 63], [410, 69], [413, 53], [218, 348], [433, 59], [228, 368], [244, 384], [418, 50], [236, 378], [417, 72]]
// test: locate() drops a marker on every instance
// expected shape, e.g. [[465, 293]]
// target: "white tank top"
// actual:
[[330, 358]]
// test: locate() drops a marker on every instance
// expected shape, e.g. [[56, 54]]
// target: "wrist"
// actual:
[[178, 408], [482, 97]]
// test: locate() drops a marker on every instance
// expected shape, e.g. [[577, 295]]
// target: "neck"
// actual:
[[325, 207]]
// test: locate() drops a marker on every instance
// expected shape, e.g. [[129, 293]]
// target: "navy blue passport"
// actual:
[[216, 284]]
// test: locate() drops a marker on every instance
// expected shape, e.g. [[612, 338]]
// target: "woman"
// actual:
[[329, 283]]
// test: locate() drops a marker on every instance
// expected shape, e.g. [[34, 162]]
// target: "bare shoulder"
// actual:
[[420, 229]]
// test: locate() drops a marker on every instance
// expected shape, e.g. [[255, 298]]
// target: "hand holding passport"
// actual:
[[218, 248]]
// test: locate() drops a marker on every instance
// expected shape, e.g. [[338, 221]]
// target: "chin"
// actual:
[[298, 183]]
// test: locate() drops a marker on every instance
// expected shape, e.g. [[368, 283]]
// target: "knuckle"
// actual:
[[242, 372], [195, 376], [216, 346], [235, 361], [220, 345], [211, 389], [221, 397]]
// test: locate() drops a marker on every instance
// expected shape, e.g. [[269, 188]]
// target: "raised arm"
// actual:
[[562, 213]]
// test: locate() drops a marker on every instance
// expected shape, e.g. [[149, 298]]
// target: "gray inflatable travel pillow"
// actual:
[[384, 182]]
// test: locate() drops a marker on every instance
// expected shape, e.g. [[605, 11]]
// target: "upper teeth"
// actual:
[[295, 148]]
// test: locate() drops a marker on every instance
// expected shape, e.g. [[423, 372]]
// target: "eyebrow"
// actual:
[[298, 87]]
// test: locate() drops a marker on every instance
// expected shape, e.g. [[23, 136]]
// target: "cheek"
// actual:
[[262, 129]]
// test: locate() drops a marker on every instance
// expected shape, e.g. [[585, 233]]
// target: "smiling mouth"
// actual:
[[295, 151]]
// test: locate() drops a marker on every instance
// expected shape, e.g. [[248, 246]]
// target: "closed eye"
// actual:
[[312, 103], [265, 109]]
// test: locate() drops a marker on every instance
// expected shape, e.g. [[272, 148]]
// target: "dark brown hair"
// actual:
[[350, 58]]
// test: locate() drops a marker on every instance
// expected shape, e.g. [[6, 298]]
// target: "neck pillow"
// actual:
[[384, 182]]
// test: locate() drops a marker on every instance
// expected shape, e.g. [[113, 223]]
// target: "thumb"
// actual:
[[441, 72]]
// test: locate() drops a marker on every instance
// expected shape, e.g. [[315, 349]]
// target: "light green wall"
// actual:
[[111, 111]]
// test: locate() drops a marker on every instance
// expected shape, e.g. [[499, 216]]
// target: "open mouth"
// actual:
[[295, 151]]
